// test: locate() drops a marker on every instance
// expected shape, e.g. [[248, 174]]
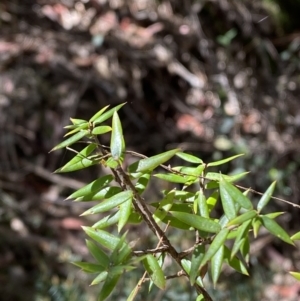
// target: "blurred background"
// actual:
[[216, 78]]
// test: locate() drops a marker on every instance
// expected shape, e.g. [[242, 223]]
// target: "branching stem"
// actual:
[[140, 206]]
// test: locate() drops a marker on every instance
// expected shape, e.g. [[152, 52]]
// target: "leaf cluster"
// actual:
[[190, 206]]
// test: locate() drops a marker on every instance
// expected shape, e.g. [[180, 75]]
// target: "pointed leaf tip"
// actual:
[[223, 161], [266, 197], [155, 271], [151, 163], [106, 115], [215, 245], [70, 140], [296, 275], [275, 229]]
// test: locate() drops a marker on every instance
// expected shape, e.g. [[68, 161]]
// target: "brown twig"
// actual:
[[177, 275], [272, 197], [140, 206], [151, 251], [142, 280], [204, 178]]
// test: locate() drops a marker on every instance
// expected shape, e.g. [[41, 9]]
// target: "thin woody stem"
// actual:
[[140, 206]]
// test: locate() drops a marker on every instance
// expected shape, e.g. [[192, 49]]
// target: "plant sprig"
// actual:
[[189, 209]]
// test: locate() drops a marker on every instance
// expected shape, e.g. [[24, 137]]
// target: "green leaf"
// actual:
[[216, 264], [108, 286], [80, 161], [195, 205], [232, 234], [121, 269], [198, 222], [181, 207], [182, 195], [164, 206], [266, 197], [200, 298], [92, 187], [172, 178], [134, 218], [221, 162], [106, 239], [212, 200], [296, 275], [175, 223], [190, 171], [193, 171], [275, 229], [186, 264], [83, 126], [151, 163], [203, 208], [242, 233], [274, 214], [137, 259], [217, 242], [296, 236], [256, 224], [77, 121], [112, 163], [237, 246], [223, 221], [98, 254], [227, 201], [245, 249], [189, 158], [117, 144], [154, 270], [107, 114], [70, 140], [120, 252], [99, 130], [236, 194], [100, 278], [142, 183], [211, 185], [101, 194], [107, 221], [88, 267], [243, 218], [125, 211], [195, 262], [110, 203], [217, 176], [234, 262], [98, 114]]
